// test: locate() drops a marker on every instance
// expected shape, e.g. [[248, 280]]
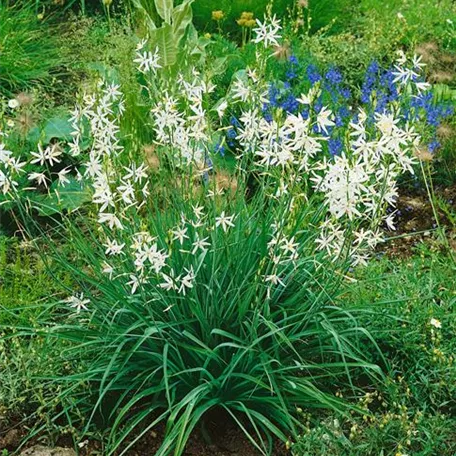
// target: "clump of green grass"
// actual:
[[25, 281], [28, 49], [226, 343]]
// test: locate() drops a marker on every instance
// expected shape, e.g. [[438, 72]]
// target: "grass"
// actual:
[[29, 49], [415, 411], [226, 344], [24, 281]]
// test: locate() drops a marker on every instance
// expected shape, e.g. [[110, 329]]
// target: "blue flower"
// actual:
[[433, 146], [335, 146], [231, 133], [220, 149], [313, 74], [305, 113], [290, 74], [333, 76], [345, 92], [293, 60], [290, 104], [234, 122]]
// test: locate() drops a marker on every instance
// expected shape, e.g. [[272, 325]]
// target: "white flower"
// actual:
[[436, 323], [147, 61], [111, 219], [41, 156], [240, 90], [200, 244], [179, 234], [169, 281], [422, 86], [141, 44], [113, 247], [274, 279], [323, 119], [267, 33], [288, 245], [108, 270], [127, 192], [308, 99], [62, 177], [134, 283], [187, 281], [221, 108], [113, 91], [5, 154], [13, 103], [224, 221], [78, 302], [40, 178], [5, 182], [49, 154]]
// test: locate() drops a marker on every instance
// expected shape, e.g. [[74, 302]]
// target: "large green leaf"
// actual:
[[62, 198], [163, 39], [55, 128], [182, 18], [164, 9], [146, 15]]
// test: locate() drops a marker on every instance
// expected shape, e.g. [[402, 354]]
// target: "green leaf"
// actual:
[[219, 65], [60, 199], [57, 128], [108, 73], [147, 18], [54, 128], [182, 18], [164, 9], [163, 38]]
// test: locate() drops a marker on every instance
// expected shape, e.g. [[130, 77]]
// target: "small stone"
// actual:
[[39, 450], [11, 439]]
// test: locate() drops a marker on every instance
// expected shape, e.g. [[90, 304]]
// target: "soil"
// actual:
[[415, 221], [223, 438]]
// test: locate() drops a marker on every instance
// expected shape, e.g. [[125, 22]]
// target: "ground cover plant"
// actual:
[[198, 218]]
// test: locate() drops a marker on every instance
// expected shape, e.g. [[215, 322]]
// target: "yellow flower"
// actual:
[[247, 15], [208, 36], [246, 20], [436, 323], [217, 15]]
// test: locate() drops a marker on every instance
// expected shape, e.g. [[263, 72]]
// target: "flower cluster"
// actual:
[[351, 157], [32, 169], [311, 144], [115, 187], [181, 123]]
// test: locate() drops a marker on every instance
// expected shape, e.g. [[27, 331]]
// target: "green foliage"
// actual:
[[62, 199], [28, 49], [225, 344], [166, 26], [414, 411], [267, 362], [24, 281], [419, 21]]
